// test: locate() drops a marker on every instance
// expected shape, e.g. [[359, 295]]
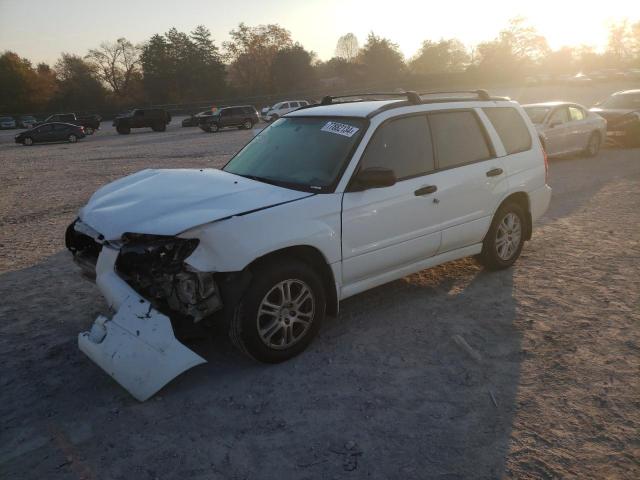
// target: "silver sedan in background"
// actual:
[[566, 127]]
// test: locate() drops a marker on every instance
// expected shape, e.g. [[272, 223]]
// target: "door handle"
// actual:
[[494, 172], [425, 190]]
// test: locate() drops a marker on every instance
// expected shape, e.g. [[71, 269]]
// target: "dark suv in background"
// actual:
[[622, 113], [154, 118], [245, 116]]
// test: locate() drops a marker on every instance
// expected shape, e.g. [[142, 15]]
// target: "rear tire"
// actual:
[[123, 130], [89, 130], [213, 128], [504, 240], [72, 138], [247, 125], [593, 145], [159, 127], [280, 313]]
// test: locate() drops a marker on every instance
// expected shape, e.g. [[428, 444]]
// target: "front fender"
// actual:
[[232, 244]]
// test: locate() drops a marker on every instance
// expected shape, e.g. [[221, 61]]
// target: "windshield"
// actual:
[[307, 153], [624, 101], [537, 114]]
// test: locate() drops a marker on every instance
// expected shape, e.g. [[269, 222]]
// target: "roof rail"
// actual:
[[412, 97]]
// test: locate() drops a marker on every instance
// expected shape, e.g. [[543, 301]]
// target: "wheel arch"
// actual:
[[521, 199], [313, 257]]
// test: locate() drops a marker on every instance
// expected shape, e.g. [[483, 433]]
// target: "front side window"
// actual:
[[576, 113], [307, 153], [402, 145], [512, 130], [458, 138]]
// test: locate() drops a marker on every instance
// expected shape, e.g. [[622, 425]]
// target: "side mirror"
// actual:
[[374, 177]]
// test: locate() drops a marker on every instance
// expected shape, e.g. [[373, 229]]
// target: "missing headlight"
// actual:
[[154, 266]]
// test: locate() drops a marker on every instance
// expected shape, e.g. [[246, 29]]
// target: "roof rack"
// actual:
[[481, 94], [412, 97]]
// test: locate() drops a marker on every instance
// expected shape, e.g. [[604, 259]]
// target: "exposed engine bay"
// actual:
[[153, 265]]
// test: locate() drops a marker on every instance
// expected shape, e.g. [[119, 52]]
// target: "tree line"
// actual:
[[180, 67]]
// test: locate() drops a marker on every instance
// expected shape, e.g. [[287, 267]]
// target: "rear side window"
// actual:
[[512, 130], [293, 104], [458, 138], [402, 145]]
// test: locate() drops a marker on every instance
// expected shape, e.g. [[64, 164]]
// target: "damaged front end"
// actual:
[[152, 291]]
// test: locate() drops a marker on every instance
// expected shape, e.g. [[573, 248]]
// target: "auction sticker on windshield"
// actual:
[[340, 129]]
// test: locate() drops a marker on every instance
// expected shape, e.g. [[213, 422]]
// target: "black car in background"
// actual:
[[622, 112], [154, 118], [245, 116], [90, 123], [51, 132], [194, 120]]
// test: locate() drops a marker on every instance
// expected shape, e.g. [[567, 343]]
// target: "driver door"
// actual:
[[384, 229]]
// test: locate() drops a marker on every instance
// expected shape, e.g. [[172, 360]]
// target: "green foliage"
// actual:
[[251, 53], [381, 59], [179, 67], [444, 56]]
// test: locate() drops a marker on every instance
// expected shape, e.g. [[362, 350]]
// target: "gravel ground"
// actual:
[[385, 391]]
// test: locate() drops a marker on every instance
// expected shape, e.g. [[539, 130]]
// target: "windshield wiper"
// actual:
[[280, 183]]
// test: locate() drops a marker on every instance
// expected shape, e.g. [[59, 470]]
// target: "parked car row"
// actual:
[[566, 127], [24, 121]]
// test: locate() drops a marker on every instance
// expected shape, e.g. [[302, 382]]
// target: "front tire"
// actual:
[[593, 145], [280, 313], [89, 130], [123, 130], [27, 142], [504, 240]]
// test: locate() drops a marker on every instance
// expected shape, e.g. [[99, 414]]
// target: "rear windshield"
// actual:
[[5, 119], [537, 114], [303, 153]]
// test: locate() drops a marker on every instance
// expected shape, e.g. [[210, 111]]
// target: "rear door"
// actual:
[[138, 119], [558, 131], [579, 128], [43, 133], [471, 179], [385, 229], [60, 132]]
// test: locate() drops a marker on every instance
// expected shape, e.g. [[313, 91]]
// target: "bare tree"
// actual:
[[116, 64], [347, 47]]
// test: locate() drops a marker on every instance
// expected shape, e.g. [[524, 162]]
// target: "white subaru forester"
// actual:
[[326, 202]]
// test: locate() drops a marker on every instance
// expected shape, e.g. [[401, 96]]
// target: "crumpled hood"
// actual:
[[167, 202]]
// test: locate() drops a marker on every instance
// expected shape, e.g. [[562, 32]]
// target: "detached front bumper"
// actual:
[[137, 346]]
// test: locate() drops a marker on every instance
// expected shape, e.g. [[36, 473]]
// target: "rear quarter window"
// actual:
[[511, 128], [458, 138]]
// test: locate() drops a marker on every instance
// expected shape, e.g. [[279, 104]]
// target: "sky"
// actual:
[[42, 29]]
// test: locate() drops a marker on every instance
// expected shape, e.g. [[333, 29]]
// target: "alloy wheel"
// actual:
[[285, 314], [508, 236]]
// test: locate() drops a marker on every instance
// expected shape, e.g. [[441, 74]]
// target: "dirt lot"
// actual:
[[384, 392]]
